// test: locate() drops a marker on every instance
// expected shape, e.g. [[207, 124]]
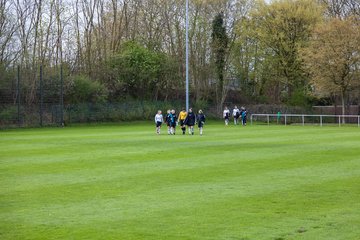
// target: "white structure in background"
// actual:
[[306, 119]]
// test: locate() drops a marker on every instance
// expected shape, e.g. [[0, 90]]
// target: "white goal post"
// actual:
[[305, 119]]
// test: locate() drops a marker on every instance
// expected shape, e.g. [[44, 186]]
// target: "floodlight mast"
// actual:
[[187, 55]]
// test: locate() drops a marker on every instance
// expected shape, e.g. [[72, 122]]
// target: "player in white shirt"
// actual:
[[236, 115], [226, 115], [158, 121]]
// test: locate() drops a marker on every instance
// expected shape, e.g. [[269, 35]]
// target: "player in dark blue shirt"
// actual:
[[201, 121], [190, 121], [167, 120], [243, 116], [173, 120]]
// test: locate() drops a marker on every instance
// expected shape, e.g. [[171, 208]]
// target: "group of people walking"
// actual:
[[236, 113], [189, 119], [185, 119]]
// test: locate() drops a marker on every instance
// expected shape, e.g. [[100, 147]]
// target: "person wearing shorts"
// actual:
[[181, 119], [167, 120], [201, 121], [158, 121], [226, 115], [243, 116], [173, 120], [236, 115], [190, 121]]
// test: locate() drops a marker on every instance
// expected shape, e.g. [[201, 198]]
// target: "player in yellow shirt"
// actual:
[[181, 119]]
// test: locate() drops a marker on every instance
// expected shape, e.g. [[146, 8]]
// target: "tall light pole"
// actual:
[[187, 55]]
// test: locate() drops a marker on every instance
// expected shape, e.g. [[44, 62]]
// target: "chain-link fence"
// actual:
[[30, 98], [42, 97], [38, 98]]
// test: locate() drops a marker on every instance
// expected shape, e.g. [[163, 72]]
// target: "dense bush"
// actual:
[[8, 114], [141, 73], [300, 99], [82, 89]]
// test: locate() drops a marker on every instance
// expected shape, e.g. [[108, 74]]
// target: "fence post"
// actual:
[[285, 119], [303, 120], [251, 119], [339, 121], [18, 95], [358, 121], [321, 122], [268, 119], [61, 97], [41, 96]]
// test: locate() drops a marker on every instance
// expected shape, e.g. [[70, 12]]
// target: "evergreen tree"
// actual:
[[219, 49]]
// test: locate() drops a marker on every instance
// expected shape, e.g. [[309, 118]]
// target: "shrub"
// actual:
[[299, 98], [81, 89], [9, 114]]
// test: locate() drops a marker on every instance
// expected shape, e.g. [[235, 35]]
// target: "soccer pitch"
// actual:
[[125, 182]]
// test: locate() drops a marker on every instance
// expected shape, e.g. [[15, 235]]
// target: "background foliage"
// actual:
[[118, 51]]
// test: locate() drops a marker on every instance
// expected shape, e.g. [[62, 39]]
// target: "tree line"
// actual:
[[297, 52]]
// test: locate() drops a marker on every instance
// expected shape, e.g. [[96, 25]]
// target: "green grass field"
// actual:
[[125, 182]]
